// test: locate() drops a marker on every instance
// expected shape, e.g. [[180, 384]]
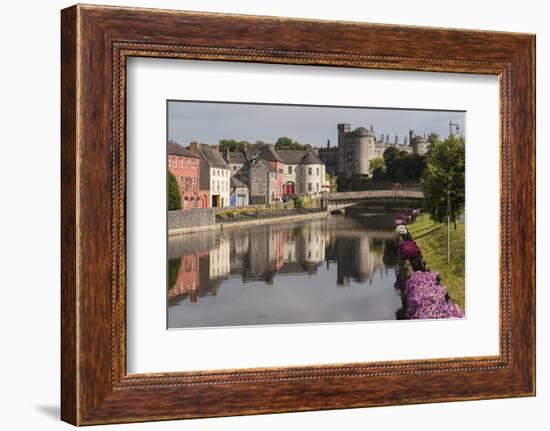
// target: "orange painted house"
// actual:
[[185, 166]]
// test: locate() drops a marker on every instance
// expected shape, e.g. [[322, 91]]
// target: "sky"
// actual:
[[208, 122]]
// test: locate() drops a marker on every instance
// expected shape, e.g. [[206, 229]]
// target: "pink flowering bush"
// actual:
[[426, 298], [408, 250]]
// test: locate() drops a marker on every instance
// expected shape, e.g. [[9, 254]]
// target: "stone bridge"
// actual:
[[340, 200]]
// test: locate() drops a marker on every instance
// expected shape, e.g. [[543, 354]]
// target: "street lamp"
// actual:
[[457, 128]]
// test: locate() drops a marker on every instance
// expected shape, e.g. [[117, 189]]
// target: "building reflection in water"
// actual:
[[199, 263]]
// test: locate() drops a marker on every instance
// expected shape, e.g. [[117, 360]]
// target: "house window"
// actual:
[[182, 162], [185, 202], [308, 187], [317, 171], [169, 162], [317, 186], [309, 171], [188, 163], [182, 182], [280, 171], [188, 183], [290, 169]]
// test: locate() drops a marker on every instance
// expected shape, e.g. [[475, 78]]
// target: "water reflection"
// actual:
[[324, 270]]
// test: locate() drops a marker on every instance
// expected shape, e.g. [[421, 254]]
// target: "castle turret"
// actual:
[[343, 128]]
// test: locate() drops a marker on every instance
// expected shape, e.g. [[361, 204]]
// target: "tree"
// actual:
[[391, 161], [174, 196], [233, 145], [433, 139], [284, 143], [377, 168], [445, 173]]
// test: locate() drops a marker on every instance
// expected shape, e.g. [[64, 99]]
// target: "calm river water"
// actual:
[[340, 269]]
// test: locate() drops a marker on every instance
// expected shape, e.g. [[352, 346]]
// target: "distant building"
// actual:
[[215, 174], [304, 172], [239, 193], [329, 156], [261, 178], [270, 155], [292, 172], [356, 148], [185, 166]]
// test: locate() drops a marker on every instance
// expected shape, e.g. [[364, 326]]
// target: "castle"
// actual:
[[356, 148]]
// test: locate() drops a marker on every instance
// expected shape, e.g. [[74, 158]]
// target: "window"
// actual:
[[317, 171], [317, 186], [189, 182], [290, 169], [309, 171], [280, 171], [182, 162], [169, 161], [182, 182], [188, 163], [308, 187]]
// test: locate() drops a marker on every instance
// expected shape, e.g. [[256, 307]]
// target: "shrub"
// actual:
[[408, 250], [427, 299], [174, 196]]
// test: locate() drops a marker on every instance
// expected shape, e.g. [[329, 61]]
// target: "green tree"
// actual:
[[233, 145], [377, 168], [445, 173], [433, 139], [284, 143], [174, 196], [392, 156]]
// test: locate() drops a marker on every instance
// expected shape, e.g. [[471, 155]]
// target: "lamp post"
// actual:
[[451, 124], [448, 226]]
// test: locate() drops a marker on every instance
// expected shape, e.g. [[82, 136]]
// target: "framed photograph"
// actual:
[[265, 214]]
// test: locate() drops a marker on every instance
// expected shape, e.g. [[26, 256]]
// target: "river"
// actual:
[[339, 269]]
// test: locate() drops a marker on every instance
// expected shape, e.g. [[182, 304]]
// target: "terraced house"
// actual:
[[215, 174], [185, 166]]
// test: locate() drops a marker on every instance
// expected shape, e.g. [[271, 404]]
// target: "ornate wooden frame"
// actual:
[[95, 43]]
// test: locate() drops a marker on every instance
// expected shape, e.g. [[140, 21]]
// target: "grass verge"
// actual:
[[431, 238]]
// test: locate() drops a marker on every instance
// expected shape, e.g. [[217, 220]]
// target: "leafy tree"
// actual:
[[414, 165], [391, 161], [284, 143], [377, 168], [445, 173], [174, 196], [233, 145], [433, 139]]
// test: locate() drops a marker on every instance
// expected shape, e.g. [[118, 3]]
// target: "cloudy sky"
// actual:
[[208, 122]]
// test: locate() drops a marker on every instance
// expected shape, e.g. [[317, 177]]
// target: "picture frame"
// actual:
[[96, 41]]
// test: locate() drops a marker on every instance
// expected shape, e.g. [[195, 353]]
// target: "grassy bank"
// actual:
[[431, 238]]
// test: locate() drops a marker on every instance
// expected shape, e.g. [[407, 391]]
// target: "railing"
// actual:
[[375, 194], [242, 214]]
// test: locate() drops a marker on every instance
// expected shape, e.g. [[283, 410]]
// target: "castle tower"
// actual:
[[343, 129]]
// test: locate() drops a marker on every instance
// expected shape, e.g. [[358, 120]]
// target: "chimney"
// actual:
[[328, 143], [194, 146]]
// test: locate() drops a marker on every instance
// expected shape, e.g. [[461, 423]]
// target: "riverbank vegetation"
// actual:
[[431, 237]]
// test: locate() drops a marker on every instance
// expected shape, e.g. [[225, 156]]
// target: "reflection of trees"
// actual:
[[174, 266]]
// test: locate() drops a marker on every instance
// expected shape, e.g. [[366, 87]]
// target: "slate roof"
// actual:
[[235, 182], [176, 149], [213, 157], [269, 154], [236, 157], [311, 159], [291, 157]]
